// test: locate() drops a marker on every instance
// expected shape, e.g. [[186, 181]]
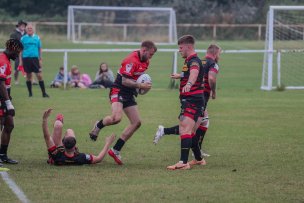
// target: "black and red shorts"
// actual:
[[192, 107], [127, 99]]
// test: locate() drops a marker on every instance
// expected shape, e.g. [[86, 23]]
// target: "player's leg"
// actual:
[[185, 128], [5, 139], [57, 131], [161, 131], [203, 128], [114, 118], [133, 116], [117, 110], [199, 160]]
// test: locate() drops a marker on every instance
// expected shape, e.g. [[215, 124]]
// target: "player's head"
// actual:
[[186, 45], [21, 25], [69, 140], [215, 51], [12, 48], [30, 29], [147, 50]]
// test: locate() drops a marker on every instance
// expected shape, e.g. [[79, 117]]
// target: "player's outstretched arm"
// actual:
[[48, 140], [109, 140]]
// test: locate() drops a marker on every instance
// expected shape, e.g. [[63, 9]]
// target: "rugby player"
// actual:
[[63, 151], [7, 111], [211, 69], [192, 101], [122, 96]]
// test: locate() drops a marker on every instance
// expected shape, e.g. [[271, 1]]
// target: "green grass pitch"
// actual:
[[255, 138]]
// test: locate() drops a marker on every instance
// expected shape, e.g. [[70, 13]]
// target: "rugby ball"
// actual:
[[144, 78]]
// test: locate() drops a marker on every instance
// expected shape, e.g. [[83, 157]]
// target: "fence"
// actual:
[[200, 31]]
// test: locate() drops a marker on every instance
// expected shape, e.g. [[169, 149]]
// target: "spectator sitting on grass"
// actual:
[[59, 78], [104, 77], [76, 78]]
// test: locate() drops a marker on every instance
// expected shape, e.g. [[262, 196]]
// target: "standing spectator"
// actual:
[[32, 59], [104, 77], [17, 34], [59, 78], [7, 111], [122, 96]]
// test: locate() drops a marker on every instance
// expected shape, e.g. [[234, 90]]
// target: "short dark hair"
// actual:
[[69, 142], [149, 45], [186, 39], [14, 45], [213, 49]]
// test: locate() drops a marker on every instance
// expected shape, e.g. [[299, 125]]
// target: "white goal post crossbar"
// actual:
[[267, 83], [172, 31]]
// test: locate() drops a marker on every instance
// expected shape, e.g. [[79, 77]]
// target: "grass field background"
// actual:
[[255, 138]]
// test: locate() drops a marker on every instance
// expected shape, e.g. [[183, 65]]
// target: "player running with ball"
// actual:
[[122, 96]]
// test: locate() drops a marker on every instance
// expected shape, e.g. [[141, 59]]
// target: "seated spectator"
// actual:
[[76, 78], [104, 77], [59, 78], [86, 79]]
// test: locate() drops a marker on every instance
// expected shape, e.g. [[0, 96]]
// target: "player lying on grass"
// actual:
[[63, 151]]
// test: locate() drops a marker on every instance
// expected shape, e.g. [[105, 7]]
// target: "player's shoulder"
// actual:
[[195, 61], [3, 59]]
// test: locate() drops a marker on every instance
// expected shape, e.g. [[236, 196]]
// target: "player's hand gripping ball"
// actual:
[[144, 78]]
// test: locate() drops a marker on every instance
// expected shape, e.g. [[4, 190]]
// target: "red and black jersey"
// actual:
[[209, 64], [132, 68], [192, 62], [5, 70], [58, 156]]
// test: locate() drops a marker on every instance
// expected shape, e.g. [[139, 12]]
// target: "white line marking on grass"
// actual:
[[14, 187]]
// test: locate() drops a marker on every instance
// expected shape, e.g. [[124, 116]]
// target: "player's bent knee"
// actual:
[[136, 124]]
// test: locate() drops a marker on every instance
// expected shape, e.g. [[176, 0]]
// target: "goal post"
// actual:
[[121, 25], [284, 43]]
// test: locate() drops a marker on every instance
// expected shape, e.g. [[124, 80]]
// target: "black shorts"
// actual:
[[192, 107], [31, 65], [127, 100]]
